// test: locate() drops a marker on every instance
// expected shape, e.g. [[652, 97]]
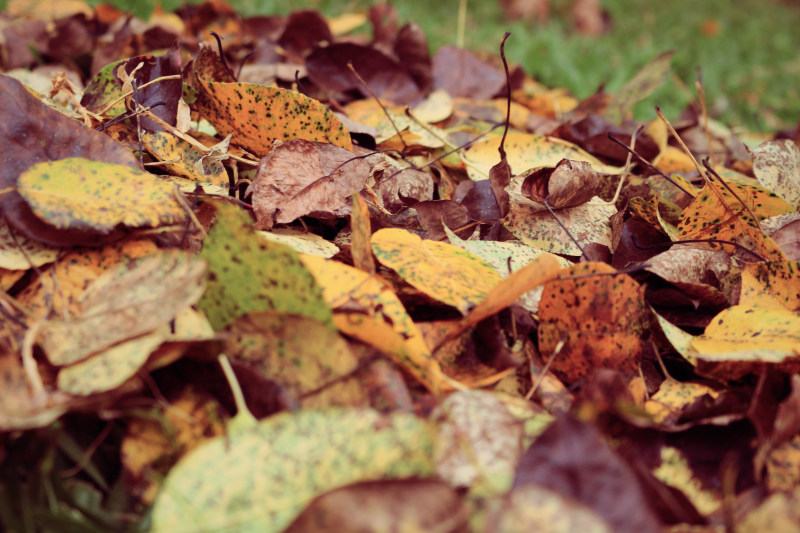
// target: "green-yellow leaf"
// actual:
[[85, 195], [442, 271], [248, 273], [260, 479]]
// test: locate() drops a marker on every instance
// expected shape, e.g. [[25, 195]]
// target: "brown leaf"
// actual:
[[434, 213], [572, 458], [568, 184], [372, 507], [499, 178], [165, 93], [304, 30], [301, 178], [388, 79], [591, 134], [462, 74]]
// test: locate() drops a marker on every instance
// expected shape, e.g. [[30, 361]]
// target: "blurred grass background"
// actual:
[[747, 49]]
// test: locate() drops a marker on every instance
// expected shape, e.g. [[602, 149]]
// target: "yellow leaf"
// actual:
[[366, 310], [740, 339], [525, 151], [442, 271]]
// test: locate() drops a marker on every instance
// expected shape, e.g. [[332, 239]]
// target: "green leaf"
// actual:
[[260, 479], [249, 273]]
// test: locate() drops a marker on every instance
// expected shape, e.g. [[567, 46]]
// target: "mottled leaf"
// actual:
[[90, 196], [102, 90], [740, 339], [479, 442], [248, 273], [305, 357], [257, 115], [183, 159], [261, 478], [779, 279], [599, 317], [442, 271], [776, 165], [125, 302], [715, 213], [587, 223], [49, 135]]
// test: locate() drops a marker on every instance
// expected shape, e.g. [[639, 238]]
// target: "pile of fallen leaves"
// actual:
[[268, 274]]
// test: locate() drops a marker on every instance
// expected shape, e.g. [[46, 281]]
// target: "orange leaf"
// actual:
[[600, 318], [257, 115]]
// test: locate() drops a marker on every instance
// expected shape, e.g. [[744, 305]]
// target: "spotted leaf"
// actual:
[[440, 270], [740, 339], [85, 195], [248, 273], [716, 213], [258, 115], [261, 478], [599, 317]]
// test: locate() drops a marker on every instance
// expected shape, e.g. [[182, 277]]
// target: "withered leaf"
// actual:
[[389, 79], [163, 96], [568, 184], [301, 178], [462, 74], [571, 458]]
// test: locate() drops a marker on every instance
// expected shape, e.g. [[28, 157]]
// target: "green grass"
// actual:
[[750, 68]]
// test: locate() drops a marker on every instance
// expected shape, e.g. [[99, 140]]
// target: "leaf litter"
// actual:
[[469, 330]]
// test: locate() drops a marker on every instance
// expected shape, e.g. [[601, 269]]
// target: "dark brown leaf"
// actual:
[[572, 458], [389, 79], [568, 184], [462, 74]]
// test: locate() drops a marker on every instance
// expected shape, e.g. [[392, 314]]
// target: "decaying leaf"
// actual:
[[90, 196], [776, 164], [591, 318], [124, 303], [301, 178], [257, 115]]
